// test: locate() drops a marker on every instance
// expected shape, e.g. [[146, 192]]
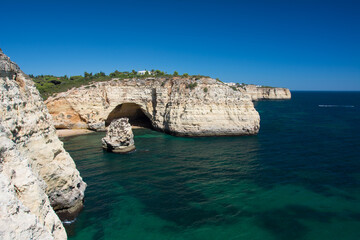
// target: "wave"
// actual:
[[343, 106]]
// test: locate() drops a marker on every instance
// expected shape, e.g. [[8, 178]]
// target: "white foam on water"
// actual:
[[69, 221], [343, 106]]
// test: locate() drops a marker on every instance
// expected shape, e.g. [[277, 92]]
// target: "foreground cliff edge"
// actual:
[[37, 176]]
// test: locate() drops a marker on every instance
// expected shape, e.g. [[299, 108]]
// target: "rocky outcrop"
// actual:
[[119, 137], [265, 93], [25, 211], [179, 106], [37, 176]]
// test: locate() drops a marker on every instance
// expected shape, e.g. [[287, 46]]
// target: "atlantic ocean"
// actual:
[[299, 178]]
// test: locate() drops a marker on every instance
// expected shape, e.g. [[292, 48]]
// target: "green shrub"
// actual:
[[191, 85], [55, 82], [75, 78], [205, 90], [49, 84]]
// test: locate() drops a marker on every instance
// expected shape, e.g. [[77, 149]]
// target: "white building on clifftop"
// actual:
[[143, 72]]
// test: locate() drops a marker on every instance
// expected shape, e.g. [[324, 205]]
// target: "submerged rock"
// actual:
[[119, 137]]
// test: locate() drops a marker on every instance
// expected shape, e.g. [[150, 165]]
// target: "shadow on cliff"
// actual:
[[137, 116]]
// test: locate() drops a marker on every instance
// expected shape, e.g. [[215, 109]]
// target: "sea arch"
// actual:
[[138, 115]]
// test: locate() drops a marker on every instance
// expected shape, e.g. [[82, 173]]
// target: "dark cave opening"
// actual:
[[133, 111]]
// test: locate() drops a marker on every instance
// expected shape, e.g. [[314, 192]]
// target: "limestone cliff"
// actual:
[[265, 93], [37, 176], [179, 106]]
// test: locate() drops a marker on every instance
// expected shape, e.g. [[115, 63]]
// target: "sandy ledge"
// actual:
[[136, 127], [75, 132], [71, 132]]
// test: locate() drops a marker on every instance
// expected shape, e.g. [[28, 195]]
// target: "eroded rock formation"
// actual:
[[119, 137], [265, 93], [179, 106], [37, 176]]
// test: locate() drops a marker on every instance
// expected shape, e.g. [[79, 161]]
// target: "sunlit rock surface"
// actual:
[[37, 176], [119, 137], [178, 106], [265, 93]]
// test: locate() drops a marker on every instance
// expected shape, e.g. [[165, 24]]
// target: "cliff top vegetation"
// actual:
[[49, 84]]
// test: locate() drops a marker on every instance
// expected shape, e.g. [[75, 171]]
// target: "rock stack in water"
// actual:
[[119, 137]]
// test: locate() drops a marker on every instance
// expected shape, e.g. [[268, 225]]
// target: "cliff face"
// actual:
[[37, 176], [177, 106], [25, 211], [265, 93]]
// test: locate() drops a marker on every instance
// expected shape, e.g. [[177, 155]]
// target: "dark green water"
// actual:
[[299, 178]]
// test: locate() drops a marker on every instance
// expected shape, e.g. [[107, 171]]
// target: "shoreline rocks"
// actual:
[[119, 137], [38, 175]]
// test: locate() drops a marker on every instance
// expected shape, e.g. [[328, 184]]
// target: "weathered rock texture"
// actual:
[[37, 176], [265, 93], [119, 137], [25, 211], [179, 106]]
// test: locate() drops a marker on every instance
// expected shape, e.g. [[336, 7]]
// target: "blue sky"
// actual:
[[302, 45]]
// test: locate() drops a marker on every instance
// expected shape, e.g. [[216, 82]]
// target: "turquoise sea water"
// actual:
[[299, 178]]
